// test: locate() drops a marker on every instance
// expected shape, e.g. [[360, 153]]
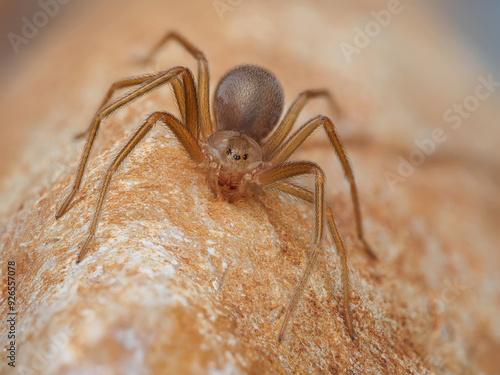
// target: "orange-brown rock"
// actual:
[[177, 282]]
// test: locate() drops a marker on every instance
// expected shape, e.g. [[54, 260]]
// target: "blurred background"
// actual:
[[476, 24], [477, 27]]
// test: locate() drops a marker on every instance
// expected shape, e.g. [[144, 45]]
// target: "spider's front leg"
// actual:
[[308, 196], [191, 123], [296, 139], [182, 134], [284, 172], [134, 81]]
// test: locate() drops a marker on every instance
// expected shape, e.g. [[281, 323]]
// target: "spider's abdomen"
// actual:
[[248, 99]]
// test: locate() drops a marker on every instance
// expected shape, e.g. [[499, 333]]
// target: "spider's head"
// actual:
[[235, 152]]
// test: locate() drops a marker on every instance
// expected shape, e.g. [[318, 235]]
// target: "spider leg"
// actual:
[[176, 83], [182, 134], [296, 139], [153, 83], [283, 172], [308, 196], [283, 129], [203, 91]]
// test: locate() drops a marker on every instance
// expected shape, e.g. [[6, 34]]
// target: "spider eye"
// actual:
[[245, 157], [228, 151]]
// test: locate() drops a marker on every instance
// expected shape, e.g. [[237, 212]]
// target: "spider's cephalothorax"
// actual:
[[248, 104], [234, 157], [240, 147]]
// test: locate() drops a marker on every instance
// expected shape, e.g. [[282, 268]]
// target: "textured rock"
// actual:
[[177, 282]]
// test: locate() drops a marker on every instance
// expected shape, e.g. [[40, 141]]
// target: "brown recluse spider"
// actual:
[[247, 106]]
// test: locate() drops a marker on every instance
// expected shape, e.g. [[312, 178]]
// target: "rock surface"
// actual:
[[177, 282]]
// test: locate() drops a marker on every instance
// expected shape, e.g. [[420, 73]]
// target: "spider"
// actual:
[[234, 147]]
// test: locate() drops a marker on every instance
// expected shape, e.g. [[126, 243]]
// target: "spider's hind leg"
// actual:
[[285, 126], [203, 89]]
